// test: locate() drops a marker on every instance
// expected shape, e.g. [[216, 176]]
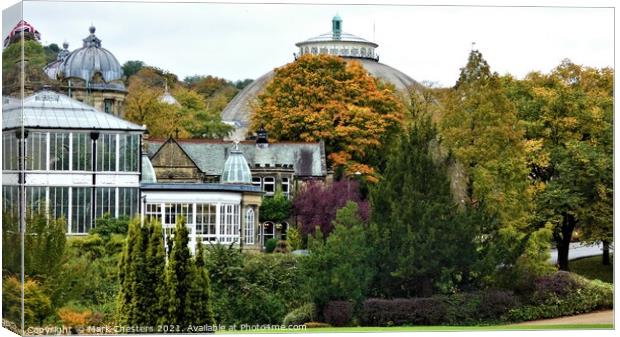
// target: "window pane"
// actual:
[[59, 151], [10, 150], [82, 152], [106, 152], [105, 202], [129, 152], [35, 201], [249, 227], [36, 151], [128, 201], [81, 210], [10, 200], [59, 203]]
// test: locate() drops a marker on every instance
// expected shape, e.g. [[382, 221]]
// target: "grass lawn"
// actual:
[[430, 328], [592, 268]]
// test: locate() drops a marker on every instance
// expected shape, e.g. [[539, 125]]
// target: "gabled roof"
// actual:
[[307, 159], [50, 110]]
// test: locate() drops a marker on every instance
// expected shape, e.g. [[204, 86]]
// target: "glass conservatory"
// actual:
[[78, 163]]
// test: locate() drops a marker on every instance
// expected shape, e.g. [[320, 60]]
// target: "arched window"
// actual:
[[249, 227]]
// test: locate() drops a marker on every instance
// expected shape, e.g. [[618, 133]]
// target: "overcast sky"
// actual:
[[238, 41]]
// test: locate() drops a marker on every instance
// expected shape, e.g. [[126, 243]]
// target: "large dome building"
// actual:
[[337, 42], [90, 74]]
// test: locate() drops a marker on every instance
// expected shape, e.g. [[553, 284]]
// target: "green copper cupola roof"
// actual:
[[336, 27]]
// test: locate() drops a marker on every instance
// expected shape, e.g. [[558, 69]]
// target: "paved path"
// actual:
[[598, 317], [578, 250]]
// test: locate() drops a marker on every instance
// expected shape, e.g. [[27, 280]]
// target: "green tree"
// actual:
[[337, 268], [33, 60], [180, 272], [132, 67], [200, 292], [276, 208], [568, 116], [420, 240]]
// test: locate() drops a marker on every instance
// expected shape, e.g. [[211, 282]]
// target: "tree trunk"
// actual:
[[563, 240], [606, 260]]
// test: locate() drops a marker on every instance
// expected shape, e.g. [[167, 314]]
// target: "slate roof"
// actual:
[[307, 159], [50, 110]]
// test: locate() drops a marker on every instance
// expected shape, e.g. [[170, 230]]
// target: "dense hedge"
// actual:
[[338, 313], [403, 311], [564, 294], [556, 295]]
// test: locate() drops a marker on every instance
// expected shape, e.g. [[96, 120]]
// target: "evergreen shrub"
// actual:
[[270, 245], [403, 311], [338, 313], [304, 314]]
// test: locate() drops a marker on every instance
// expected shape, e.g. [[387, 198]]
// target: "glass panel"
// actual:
[[269, 185], [81, 210], [10, 199], [106, 152], [205, 221], [153, 212], [59, 151], [35, 201], [249, 227], [10, 151], [129, 152], [36, 151], [59, 202], [128, 201], [105, 201], [82, 152]]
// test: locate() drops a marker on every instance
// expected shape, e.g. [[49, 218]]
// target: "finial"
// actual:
[[92, 29], [473, 45], [65, 45], [176, 133], [236, 142]]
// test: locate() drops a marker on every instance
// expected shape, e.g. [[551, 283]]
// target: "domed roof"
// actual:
[[148, 172], [239, 109], [329, 37], [236, 169], [167, 98], [85, 62]]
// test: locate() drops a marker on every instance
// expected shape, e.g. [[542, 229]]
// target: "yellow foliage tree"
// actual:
[[326, 98]]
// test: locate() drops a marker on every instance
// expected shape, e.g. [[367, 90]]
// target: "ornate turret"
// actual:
[[339, 43]]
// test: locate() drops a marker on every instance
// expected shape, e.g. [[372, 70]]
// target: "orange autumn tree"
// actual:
[[327, 98]]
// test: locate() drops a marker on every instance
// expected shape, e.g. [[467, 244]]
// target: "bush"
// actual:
[[305, 313], [495, 303], [270, 245], [403, 311], [338, 313], [554, 285], [463, 308], [578, 295], [281, 247]]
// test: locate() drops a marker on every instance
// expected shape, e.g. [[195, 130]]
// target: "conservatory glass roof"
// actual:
[[50, 110]]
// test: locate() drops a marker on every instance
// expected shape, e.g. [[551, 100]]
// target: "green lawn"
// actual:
[[592, 268], [432, 328]]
